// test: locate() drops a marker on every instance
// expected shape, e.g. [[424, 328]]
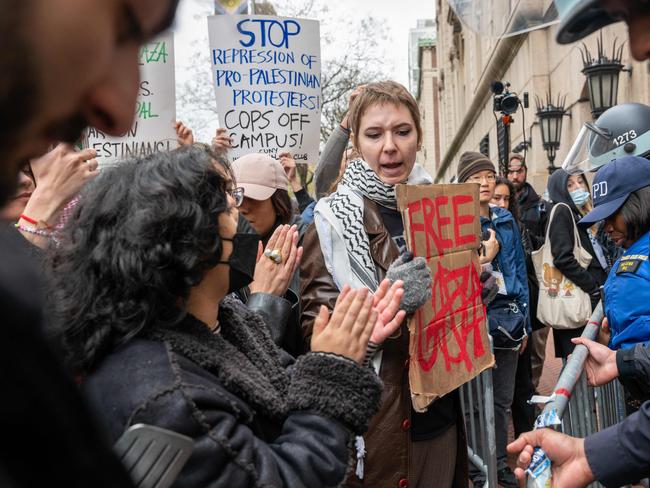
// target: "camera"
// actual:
[[504, 100]]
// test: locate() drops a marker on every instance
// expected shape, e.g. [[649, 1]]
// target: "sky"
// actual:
[[399, 17]]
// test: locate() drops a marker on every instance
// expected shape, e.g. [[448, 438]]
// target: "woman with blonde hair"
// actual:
[[356, 240]]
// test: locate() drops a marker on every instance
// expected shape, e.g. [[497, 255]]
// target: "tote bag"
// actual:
[[562, 304]]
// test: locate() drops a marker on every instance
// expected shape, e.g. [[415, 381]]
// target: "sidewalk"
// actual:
[[552, 368]]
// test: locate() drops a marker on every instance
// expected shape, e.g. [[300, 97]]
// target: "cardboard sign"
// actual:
[[449, 342], [266, 73], [155, 108]]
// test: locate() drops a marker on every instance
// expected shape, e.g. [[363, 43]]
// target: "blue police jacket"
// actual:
[[510, 259], [627, 296]]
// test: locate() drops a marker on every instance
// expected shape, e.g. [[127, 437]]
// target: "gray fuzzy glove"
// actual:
[[416, 276]]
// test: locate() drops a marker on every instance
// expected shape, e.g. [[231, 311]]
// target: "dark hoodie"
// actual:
[[562, 240]]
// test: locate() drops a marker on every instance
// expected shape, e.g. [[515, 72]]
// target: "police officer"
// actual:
[[621, 193], [622, 199], [578, 462]]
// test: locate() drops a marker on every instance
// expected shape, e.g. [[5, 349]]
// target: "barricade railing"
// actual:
[[579, 409], [477, 403], [593, 409], [582, 410]]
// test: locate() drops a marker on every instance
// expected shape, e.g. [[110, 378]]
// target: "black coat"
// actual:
[[562, 240], [532, 221], [49, 437], [619, 455], [533, 215], [252, 423]]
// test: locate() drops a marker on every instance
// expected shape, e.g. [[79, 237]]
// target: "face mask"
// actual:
[[579, 197], [242, 260]]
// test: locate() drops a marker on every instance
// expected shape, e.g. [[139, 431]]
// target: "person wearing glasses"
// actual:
[[141, 294], [509, 269], [264, 204]]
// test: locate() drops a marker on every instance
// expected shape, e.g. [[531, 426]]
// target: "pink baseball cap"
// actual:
[[259, 175]]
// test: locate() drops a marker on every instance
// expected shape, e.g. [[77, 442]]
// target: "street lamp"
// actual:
[[550, 125], [602, 77]]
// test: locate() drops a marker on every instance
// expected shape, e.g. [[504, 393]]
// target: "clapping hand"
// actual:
[[359, 317], [274, 275]]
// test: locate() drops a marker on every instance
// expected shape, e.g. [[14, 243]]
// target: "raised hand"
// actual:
[[355, 93], [59, 176], [221, 140], [348, 330], [271, 276], [289, 165], [386, 302], [184, 134]]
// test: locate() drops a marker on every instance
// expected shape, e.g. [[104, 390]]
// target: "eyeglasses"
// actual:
[[479, 178], [237, 195]]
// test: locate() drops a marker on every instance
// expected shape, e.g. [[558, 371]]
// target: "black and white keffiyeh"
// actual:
[[339, 221]]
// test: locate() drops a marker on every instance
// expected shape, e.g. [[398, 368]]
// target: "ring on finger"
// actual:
[[274, 255]]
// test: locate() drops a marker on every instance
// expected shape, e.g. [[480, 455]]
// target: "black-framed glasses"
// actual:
[[237, 195]]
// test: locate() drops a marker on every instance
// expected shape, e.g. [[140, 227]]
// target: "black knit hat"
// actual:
[[471, 163]]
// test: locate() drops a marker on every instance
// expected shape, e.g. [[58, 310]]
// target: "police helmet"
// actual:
[[623, 130]]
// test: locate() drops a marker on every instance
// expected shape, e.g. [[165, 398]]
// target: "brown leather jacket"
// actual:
[[387, 440]]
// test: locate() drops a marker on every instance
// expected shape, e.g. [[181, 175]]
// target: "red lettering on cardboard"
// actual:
[[460, 220], [412, 209], [459, 315], [434, 223]]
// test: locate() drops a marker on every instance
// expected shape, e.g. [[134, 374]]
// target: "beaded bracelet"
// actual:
[[34, 230], [34, 221]]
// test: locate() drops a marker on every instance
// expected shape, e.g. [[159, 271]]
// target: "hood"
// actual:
[[557, 190], [499, 215], [529, 196]]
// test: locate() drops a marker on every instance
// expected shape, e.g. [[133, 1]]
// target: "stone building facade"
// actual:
[[467, 64], [427, 96]]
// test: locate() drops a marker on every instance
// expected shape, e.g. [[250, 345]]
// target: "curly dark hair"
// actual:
[[144, 233], [513, 204]]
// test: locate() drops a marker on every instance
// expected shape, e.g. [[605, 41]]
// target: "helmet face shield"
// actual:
[[623, 130], [591, 140], [504, 18]]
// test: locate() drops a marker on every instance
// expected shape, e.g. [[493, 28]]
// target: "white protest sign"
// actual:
[[266, 72], [155, 110]]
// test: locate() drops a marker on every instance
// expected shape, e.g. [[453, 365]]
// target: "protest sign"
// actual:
[[155, 108], [449, 342], [266, 72]]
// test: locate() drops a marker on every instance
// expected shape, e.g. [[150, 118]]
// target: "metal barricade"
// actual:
[[593, 409], [582, 410], [477, 403]]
